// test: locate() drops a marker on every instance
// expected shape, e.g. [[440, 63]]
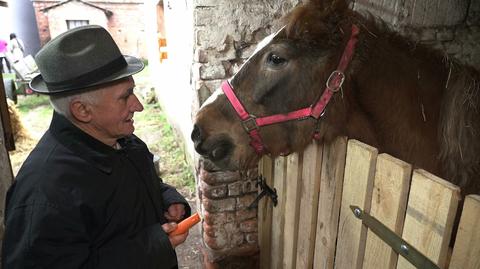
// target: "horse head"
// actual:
[[274, 103]]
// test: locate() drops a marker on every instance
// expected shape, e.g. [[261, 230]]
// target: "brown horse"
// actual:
[[407, 100]]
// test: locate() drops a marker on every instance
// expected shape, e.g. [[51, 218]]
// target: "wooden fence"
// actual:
[[312, 225]]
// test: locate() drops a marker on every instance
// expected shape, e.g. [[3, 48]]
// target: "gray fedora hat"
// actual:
[[81, 58]]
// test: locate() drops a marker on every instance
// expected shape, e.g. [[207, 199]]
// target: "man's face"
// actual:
[[112, 115]]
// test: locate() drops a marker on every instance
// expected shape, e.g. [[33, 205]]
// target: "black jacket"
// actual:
[[77, 203]]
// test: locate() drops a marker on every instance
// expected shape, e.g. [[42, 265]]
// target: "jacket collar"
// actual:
[[85, 146]]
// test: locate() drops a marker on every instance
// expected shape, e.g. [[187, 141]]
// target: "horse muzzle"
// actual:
[[215, 148]]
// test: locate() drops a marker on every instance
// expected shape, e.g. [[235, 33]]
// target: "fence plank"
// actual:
[[292, 206], [467, 244], [357, 190], [331, 183], [311, 169], [265, 214], [430, 213], [278, 220], [389, 200]]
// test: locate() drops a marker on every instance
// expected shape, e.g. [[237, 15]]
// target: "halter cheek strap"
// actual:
[[334, 82]]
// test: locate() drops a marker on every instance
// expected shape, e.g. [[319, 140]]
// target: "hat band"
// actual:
[[89, 77]]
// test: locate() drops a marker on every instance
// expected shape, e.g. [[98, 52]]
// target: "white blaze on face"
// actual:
[[261, 45], [212, 97]]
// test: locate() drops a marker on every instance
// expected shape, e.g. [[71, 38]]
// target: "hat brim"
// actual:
[[135, 65]]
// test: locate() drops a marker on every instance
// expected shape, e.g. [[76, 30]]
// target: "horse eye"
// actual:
[[275, 60]]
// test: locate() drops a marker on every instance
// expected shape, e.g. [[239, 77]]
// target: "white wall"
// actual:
[[172, 77], [6, 22]]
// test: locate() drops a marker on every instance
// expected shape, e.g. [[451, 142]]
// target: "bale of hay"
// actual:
[[20, 133]]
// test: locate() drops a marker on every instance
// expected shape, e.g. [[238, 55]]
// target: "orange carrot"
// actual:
[[186, 224]]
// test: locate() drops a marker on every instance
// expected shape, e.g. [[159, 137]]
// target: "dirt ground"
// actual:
[[189, 253]]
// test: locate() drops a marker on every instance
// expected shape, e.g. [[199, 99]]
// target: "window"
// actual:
[[76, 23]]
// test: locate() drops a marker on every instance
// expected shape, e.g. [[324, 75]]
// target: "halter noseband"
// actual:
[[251, 123]]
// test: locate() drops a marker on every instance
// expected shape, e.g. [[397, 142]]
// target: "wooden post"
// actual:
[[7, 132], [357, 190], [312, 166], [6, 175], [292, 206], [265, 214], [278, 221], [389, 201], [467, 244], [331, 183], [431, 209]]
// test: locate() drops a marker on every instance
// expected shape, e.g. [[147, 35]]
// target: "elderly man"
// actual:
[[88, 195]]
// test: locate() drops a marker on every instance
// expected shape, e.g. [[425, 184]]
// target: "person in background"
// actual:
[[88, 195], [3, 56], [16, 48]]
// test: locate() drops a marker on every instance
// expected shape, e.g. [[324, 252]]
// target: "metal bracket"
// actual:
[[250, 124], [266, 190], [415, 257]]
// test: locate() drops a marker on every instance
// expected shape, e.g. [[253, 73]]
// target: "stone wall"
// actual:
[[451, 26]]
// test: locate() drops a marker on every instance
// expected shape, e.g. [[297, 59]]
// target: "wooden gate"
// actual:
[[312, 225]]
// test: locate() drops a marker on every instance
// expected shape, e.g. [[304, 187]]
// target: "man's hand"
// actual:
[[175, 213], [175, 240]]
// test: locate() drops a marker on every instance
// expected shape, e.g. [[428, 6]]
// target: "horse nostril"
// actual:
[[220, 151], [196, 135]]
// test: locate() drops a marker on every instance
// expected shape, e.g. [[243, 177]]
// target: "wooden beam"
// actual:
[[278, 221], [312, 166], [331, 183], [467, 244], [6, 175], [431, 208], [265, 214], [292, 210], [7, 131], [357, 190], [389, 202]]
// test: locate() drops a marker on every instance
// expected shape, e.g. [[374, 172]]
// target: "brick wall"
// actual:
[[126, 25], [42, 20]]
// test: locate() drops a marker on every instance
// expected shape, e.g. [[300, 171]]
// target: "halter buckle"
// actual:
[[250, 124], [335, 80]]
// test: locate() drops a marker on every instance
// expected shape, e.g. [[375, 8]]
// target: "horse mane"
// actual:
[[457, 87]]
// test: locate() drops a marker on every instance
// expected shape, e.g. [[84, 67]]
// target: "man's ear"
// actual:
[[80, 111]]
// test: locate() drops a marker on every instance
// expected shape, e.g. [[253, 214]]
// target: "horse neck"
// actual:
[[398, 92]]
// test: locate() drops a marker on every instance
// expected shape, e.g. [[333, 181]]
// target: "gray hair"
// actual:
[[61, 103]]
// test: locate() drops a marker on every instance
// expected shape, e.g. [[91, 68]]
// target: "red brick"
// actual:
[[221, 177], [235, 188], [219, 191], [215, 243], [237, 239], [252, 238], [218, 218], [244, 214], [244, 201], [219, 205], [249, 226]]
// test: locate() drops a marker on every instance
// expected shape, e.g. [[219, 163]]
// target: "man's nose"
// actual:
[[137, 105]]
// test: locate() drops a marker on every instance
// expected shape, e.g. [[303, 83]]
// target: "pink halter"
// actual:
[[251, 123]]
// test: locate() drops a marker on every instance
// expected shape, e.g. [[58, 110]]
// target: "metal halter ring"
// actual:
[[250, 124], [336, 77]]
